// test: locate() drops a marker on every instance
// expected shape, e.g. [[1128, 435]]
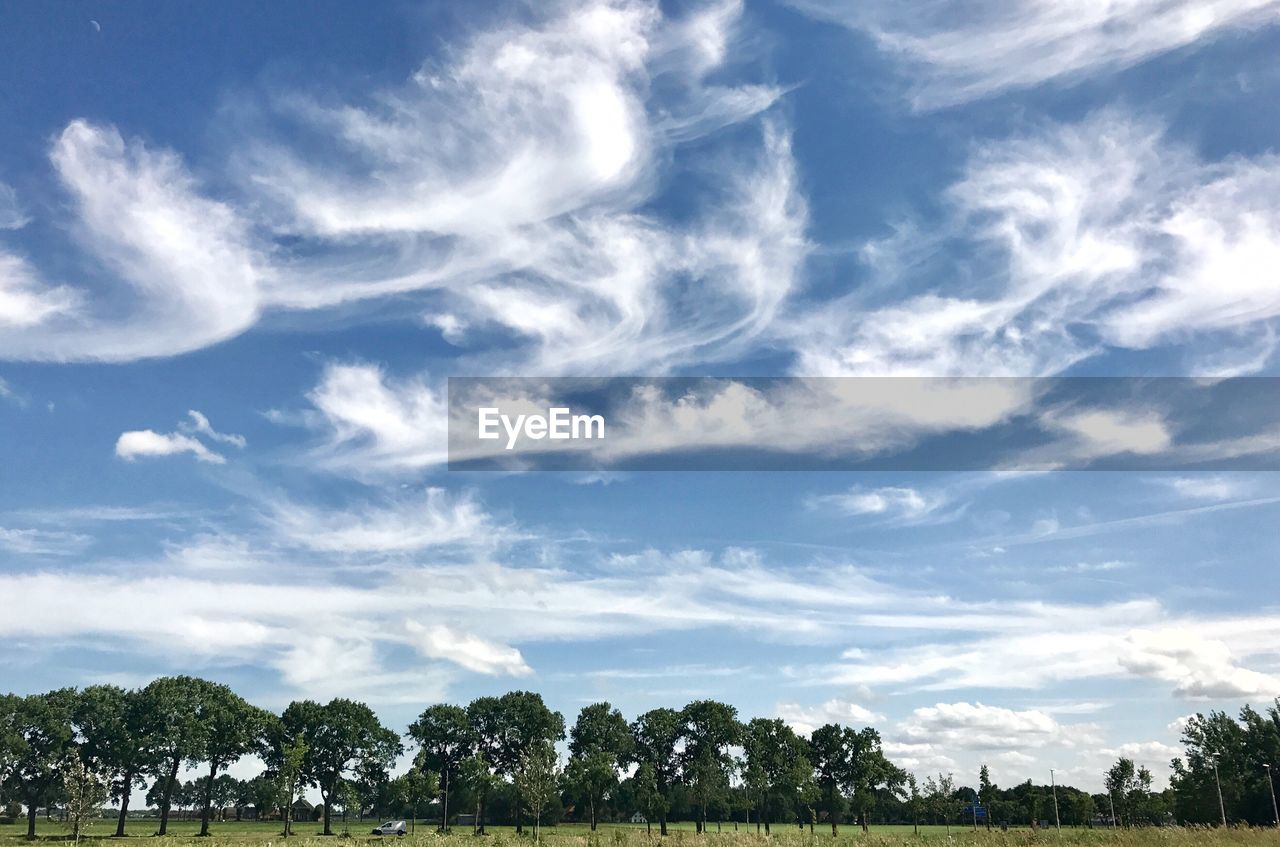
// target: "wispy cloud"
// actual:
[[1102, 232], [995, 47], [149, 443]]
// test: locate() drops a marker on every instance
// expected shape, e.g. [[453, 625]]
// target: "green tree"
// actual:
[[599, 743], [41, 737], [479, 776], [829, 753], [649, 796], [915, 802], [173, 735], [414, 789], [264, 794], [709, 729], [443, 735], [537, 780], [777, 764], [987, 791], [230, 728], [112, 726], [939, 796], [869, 772], [340, 736], [655, 736], [523, 723], [84, 792]]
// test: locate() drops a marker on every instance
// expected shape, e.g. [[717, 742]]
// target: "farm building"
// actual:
[[639, 817]]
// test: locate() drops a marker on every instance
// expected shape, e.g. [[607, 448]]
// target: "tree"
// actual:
[[284, 749], [84, 792], [523, 722], [264, 794], [599, 744], [648, 794], [413, 789], [777, 764], [986, 791], [709, 728], [1130, 787], [915, 802], [230, 728], [444, 738], [41, 737], [340, 736], [113, 725], [478, 775], [173, 735], [869, 772], [939, 797], [537, 779], [654, 736], [829, 753]]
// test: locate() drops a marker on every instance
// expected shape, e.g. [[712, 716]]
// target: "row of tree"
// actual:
[[499, 754]]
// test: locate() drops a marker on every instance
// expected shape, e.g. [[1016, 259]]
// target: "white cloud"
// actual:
[[185, 273], [25, 300], [1084, 235], [1208, 486], [145, 443], [40, 542], [892, 502], [1199, 666], [805, 719], [475, 654], [975, 726], [199, 425], [11, 214], [509, 182], [999, 46], [433, 518], [373, 424]]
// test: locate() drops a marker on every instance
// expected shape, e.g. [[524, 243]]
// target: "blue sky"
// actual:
[[243, 246]]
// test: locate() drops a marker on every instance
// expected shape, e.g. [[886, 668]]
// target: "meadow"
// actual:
[[267, 834]]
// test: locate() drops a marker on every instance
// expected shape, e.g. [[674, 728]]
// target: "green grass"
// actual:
[[267, 834]]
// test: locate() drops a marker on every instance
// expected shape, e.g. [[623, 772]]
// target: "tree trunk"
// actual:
[[124, 803], [208, 799], [325, 795], [167, 799], [591, 802], [444, 804], [31, 819], [519, 816]]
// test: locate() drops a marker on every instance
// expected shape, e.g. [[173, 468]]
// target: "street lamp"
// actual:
[[1221, 806], [1274, 812], [1053, 782]]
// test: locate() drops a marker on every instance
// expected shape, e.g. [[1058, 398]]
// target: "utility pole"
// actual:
[[1222, 808], [1275, 813], [1053, 782]]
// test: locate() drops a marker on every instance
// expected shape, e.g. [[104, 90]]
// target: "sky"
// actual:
[[243, 246]]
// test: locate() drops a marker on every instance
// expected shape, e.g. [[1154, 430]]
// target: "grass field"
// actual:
[[627, 835]]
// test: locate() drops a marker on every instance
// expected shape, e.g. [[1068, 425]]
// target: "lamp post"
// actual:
[[1275, 813], [1053, 783], [1222, 808]]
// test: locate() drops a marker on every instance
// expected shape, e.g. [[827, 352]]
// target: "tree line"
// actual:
[[495, 759]]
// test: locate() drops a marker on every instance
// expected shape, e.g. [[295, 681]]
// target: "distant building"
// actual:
[[639, 817], [304, 811], [466, 820]]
